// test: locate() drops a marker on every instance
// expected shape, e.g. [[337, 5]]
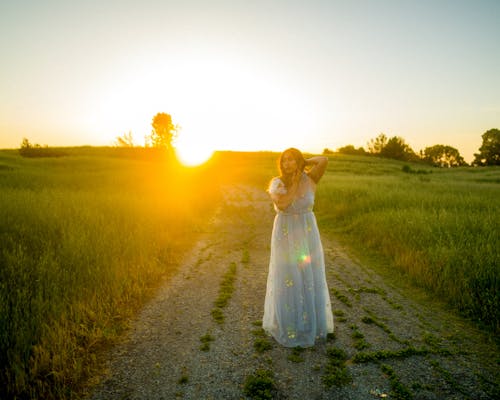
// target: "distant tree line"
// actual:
[[164, 133], [28, 149], [160, 140], [438, 155]]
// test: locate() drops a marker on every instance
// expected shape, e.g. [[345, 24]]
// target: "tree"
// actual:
[[397, 149], [164, 131], [375, 146], [489, 152], [350, 149], [126, 140], [440, 155], [394, 147]]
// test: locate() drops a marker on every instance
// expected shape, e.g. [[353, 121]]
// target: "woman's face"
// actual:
[[288, 164]]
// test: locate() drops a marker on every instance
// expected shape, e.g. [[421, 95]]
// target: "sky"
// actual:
[[250, 75]]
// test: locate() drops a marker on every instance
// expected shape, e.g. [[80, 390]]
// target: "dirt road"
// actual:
[[395, 346]]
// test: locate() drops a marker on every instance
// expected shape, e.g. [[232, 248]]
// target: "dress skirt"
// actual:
[[297, 308]]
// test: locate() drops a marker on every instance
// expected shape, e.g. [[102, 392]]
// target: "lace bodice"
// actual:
[[304, 198]]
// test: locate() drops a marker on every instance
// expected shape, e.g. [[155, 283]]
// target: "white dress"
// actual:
[[297, 308]]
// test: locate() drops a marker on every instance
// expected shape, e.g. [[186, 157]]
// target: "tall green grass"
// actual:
[[439, 227], [84, 240]]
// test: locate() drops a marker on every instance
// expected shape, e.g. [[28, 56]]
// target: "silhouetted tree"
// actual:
[[440, 155], [25, 145], [397, 149], [350, 149], [126, 140], [489, 152], [327, 151], [375, 146], [394, 147], [164, 131]]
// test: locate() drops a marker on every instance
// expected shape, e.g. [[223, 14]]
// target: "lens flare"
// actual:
[[305, 258]]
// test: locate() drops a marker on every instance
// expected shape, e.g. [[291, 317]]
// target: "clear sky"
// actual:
[[251, 74]]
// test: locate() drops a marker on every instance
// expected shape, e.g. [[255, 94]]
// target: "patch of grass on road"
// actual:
[[205, 342], [365, 357], [225, 293], [261, 385], [336, 372], [261, 342], [296, 356], [398, 390]]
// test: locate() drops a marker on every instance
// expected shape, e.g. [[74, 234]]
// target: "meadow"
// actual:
[[435, 227], [86, 238]]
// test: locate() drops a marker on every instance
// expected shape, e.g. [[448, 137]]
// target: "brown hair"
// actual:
[[299, 159]]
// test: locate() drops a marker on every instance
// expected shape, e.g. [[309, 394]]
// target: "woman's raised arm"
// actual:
[[319, 164]]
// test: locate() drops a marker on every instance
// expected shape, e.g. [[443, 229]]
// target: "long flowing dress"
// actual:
[[297, 308]]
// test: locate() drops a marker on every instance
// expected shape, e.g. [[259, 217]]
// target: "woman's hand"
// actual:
[[282, 201], [319, 164]]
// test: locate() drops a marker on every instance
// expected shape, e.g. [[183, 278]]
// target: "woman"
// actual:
[[297, 308]]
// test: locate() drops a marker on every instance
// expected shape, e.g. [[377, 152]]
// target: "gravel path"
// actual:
[[414, 348]]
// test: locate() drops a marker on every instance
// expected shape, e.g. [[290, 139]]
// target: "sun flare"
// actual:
[[192, 154], [219, 103]]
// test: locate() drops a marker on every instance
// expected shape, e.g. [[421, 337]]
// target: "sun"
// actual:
[[191, 153], [194, 156]]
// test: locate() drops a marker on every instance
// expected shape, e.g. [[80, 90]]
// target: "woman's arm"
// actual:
[[283, 200], [319, 164]]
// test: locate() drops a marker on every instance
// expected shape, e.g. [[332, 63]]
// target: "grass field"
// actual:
[[438, 227], [83, 241], [86, 238]]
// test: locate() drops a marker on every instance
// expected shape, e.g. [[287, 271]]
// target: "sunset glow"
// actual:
[[219, 103], [260, 75]]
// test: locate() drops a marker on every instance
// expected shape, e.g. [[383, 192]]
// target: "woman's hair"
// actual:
[[299, 159]]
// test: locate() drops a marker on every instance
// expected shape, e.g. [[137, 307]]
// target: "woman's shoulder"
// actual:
[[276, 186]]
